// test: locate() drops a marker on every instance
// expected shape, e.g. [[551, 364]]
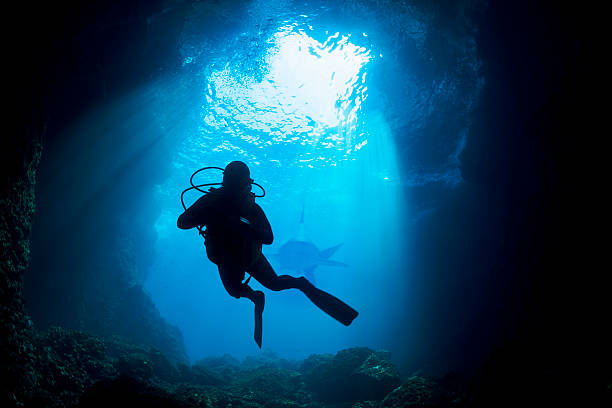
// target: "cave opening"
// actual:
[[358, 122]]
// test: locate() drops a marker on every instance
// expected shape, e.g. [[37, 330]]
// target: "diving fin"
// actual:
[[258, 328], [330, 304], [259, 307]]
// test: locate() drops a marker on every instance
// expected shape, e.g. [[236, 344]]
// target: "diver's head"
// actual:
[[237, 177]]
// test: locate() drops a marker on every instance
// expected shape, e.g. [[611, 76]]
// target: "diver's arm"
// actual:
[[260, 226], [197, 214]]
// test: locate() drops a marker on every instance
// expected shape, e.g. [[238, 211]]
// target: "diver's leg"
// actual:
[[264, 273], [231, 278], [232, 281]]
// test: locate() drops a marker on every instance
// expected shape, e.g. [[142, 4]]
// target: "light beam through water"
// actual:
[[306, 132]]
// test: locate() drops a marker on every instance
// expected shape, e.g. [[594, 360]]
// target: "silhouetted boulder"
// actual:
[[142, 361], [419, 392], [354, 374], [71, 361], [215, 370], [135, 366], [375, 377], [202, 375], [128, 392], [270, 385], [214, 397], [314, 362], [269, 358]]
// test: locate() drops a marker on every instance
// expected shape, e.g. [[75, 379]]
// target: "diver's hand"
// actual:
[[239, 225]]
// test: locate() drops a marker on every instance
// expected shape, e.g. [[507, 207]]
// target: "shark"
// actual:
[[303, 257]]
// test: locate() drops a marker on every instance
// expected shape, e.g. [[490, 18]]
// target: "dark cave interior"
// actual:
[[522, 224]]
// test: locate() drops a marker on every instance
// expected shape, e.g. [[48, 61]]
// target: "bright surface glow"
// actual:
[[310, 89], [316, 80]]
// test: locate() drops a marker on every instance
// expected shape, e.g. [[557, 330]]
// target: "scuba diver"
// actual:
[[236, 228]]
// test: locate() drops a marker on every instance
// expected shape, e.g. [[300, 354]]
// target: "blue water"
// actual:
[[340, 118], [303, 125]]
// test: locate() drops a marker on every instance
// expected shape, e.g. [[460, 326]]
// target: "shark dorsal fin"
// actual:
[[302, 216], [301, 232]]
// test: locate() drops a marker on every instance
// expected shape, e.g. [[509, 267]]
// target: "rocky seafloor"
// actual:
[[77, 369]]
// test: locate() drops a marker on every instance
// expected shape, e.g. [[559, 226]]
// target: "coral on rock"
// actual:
[[419, 392], [79, 369], [20, 154], [351, 375]]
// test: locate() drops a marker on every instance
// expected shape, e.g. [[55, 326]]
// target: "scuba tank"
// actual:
[[227, 240]]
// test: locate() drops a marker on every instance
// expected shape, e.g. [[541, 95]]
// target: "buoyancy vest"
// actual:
[[228, 240]]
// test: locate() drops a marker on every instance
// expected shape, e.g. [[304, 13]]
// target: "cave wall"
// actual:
[[20, 158], [508, 262], [75, 59], [91, 246], [20, 153]]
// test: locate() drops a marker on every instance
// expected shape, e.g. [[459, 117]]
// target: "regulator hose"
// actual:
[[199, 186]]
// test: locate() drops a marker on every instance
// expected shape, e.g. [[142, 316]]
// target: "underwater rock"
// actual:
[[375, 377], [366, 404], [419, 392], [69, 362], [201, 375], [222, 370], [416, 392], [142, 361], [135, 366], [269, 385], [257, 381], [269, 358], [128, 392], [142, 323], [352, 375], [312, 362], [80, 369]]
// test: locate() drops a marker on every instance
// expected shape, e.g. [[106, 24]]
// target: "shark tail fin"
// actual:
[[326, 253]]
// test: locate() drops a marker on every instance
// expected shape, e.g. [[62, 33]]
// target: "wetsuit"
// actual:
[[236, 227]]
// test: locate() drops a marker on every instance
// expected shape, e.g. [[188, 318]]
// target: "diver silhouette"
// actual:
[[236, 228]]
